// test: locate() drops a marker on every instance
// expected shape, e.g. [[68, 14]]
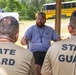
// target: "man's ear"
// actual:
[[16, 37], [17, 34], [69, 29]]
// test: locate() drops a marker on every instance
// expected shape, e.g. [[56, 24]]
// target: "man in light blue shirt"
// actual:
[[38, 38]]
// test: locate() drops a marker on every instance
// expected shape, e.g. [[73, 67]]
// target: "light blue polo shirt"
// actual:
[[39, 38]]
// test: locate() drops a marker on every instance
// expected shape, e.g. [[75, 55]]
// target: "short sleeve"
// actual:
[[28, 33], [54, 35]]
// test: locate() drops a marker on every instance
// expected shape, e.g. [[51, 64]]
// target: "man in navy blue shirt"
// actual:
[[38, 37]]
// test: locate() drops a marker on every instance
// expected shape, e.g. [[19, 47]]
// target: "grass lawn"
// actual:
[[24, 25]]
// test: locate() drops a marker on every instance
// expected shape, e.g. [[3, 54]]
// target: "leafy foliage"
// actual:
[[26, 8]]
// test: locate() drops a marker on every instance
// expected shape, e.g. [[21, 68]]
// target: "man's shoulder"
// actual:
[[24, 52], [48, 27], [58, 43], [61, 42], [31, 27]]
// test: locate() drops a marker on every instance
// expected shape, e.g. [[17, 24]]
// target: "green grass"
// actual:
[[24, 25]]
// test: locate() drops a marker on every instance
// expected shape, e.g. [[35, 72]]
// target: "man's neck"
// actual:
[[5, 40]]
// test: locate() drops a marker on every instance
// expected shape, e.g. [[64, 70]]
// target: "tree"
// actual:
[[32, 7], [26, 8], [12, 5], [50, 1], [3, 3]]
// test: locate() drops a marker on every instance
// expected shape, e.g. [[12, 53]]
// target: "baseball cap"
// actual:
[[42, 14]]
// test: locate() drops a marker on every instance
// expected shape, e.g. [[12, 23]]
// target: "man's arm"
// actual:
[[58, 39], [43, 74], [24, 41]]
